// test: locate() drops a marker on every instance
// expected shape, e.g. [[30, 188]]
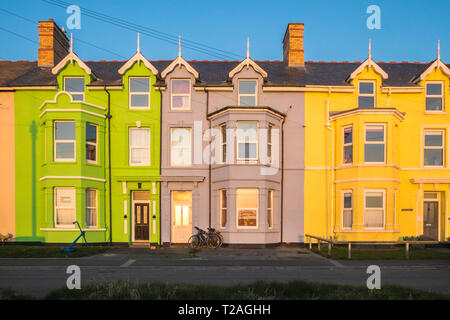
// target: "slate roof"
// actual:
[[215, 73]]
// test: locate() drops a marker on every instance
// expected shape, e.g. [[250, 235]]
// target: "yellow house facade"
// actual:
[[377, 153]]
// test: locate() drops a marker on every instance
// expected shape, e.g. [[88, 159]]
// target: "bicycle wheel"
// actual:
[[213, 241], [194, 242]]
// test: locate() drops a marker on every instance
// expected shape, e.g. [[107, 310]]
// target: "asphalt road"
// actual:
[[39, 276]]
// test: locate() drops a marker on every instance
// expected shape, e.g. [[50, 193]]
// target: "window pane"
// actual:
[[374, 153], [348, 154], [366, 102], [247, 150], [366, 87], [91, 207], [140, 138], [247, 101], [74, 84], [185, 215], [247, 131], [433, 140], [347, 200], [247, 87], [91, 152], [433, 157], [434, 104], [247, 207], [373, 219], [181, 146], [180, 102], [64, 150], [91, 133], [374, 200], [139, 100], [65, 197], [375, 133], [65, 130], [65, 216], [181, 86], [434, 89], [77, 97], [348, 135], [348, 219], [139, 156], [182, 196], [139, 84]]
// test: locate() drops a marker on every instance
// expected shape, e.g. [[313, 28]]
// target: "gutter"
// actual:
[[209, 165], [329, 127], [108, 117]]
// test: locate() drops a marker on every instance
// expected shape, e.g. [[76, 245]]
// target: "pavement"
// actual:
[[225, 266]]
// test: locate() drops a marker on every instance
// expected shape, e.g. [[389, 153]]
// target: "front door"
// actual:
[[431, 219], [181, 216], [141, 221]]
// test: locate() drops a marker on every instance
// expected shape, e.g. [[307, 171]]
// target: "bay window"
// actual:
[[374, 209], [65, 207], [247, 141], [91, 207], [64, 141], [348, 145], [223, 208], [374, 147], [247, 208], [347, 210], [91, 143]]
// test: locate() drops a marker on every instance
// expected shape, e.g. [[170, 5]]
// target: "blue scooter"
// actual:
[[71, 247]]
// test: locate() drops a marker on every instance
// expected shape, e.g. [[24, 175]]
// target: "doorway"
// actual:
[[431, 215], [181, 203], [141, 216]]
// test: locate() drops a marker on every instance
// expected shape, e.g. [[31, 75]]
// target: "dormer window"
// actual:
[[366, 94], [247, 93], [139, 92], [75, 86], [434, 96]]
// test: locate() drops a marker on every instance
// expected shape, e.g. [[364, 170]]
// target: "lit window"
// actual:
[[91, 207], [247, 208], [348, 145], [91, 142], [374, 144], [247, 141], [75, 86], [223, 208], [270, 208], [434, 97], [65, 209], [181, 94], [434, 148], [180, 153], [247, 93], [139, 141], [65, 142], [366, 97], [181, 206], [374, 210], [347, 213], [139, 93], [223, 141]]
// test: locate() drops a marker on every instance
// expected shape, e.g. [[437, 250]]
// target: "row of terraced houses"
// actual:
[[264, 151]]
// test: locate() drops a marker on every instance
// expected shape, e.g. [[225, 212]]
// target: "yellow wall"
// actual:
[[7, 162], [404, 153]]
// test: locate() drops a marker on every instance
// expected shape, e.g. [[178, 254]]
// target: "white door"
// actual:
[[181, 216]]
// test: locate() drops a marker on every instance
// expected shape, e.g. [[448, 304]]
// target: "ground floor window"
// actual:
[[270, 209], [223, 208], [247, 208], [91, 208], [65, 207], [374, 209], [347, 212]]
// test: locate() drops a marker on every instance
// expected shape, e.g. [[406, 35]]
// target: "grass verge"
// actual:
[[261, 290], [340, 253], [18, 251]]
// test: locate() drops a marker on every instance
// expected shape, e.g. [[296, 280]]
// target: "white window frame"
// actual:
[[433, 132], [74, 92], [373, 82], [172, 164], [130, 147], [270, 128], [246, 94], [344, 192], [55, 208], [441, 96], [383, 191], [89, 208], [222, 206], [257, 209], [270, 207], [139, 93], [344, 144], [247, 160], [92, 143], [74, 159], [375, 142], [172, 95], [223, 142]]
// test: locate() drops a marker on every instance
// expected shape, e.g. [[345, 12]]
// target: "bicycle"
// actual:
[[203, 239], [218, 234]]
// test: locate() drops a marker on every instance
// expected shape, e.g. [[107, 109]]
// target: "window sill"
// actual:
[[435, 112]]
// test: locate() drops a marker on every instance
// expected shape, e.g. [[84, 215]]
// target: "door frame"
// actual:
[[172, 212], [133, 202], [438, 200]]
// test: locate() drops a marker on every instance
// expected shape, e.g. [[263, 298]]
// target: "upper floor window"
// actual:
[[434, 96], [374, 147], [374, 207], [434, 148], [139, 143], [223, 208], [347, 210], [65, 207], [348, 145], [247, 141], [366, 94], [270, 208], [64, 141], [223, 142], [247, 93], [269, 142], [91, 207], [91, 142], [75, 86], [247, 208], [181, 94], [180, 151], [139, 93]]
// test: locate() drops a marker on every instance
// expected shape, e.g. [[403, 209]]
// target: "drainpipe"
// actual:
[[329, 127], [282, 182], [160, 160], [388, 96], [210, 159], [108, 117]]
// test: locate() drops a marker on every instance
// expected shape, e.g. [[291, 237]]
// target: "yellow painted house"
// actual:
[[377, 152]]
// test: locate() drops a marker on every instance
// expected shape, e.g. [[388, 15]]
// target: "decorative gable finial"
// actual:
[[71, 43], [179, 46], [248, 47], [138, 43], [439, 50], [370, 49]]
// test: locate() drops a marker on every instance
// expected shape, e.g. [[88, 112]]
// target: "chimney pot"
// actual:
[[293, 53], [53, 44]]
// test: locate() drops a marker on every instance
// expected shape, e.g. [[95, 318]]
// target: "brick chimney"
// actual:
[[53, 44], [293, 54]]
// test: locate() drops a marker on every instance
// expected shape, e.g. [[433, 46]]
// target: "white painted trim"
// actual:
[[71, 57], [72, 177], [436, 64], [247, 94], [247, 62], [367, 64], [367, 179], [71, 110], [138, 57], [430, 180], [371, 111], [204, 88], [71, 101], [179, 61], [308, 88]]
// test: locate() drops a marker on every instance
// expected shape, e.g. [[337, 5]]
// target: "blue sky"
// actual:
[[334, 30]]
